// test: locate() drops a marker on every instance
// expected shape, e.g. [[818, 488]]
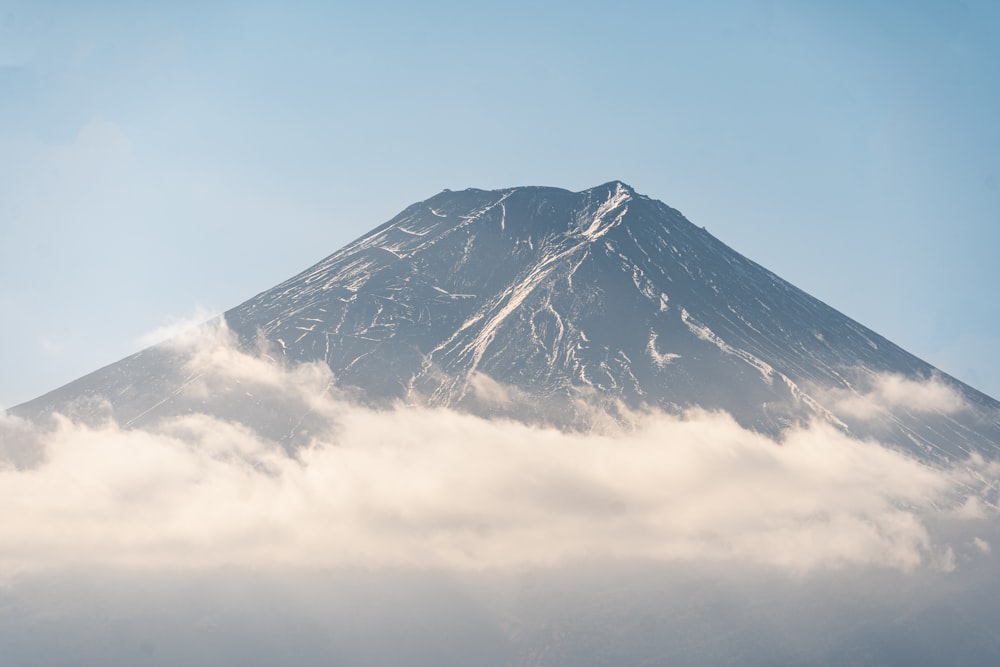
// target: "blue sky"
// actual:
[[160, 160]]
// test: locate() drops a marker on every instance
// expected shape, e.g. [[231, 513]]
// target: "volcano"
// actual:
[[541, 304], [511, 427]]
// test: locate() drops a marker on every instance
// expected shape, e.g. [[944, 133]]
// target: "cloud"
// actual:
[[889, 392], [176, 328], [430, 487], [487, 389], [420, 535]]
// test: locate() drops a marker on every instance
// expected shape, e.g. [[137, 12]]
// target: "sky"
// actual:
[[165, 161]]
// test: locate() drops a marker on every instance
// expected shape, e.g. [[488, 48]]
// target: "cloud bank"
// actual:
[[424, 536], [427, 487]]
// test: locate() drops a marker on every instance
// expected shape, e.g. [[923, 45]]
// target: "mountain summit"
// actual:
[[540, 303]]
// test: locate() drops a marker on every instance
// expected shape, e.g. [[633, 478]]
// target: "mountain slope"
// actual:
[[541, 303]]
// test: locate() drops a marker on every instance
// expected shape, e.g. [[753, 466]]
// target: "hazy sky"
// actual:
[[159, 158]]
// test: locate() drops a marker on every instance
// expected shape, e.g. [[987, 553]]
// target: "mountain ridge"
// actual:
[[603, 295]]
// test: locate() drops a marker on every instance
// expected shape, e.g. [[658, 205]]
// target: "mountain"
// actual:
[[543, 304]]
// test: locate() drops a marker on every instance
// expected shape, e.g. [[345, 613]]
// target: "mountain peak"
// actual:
[[614, 186], [611, 188], [602, 294]]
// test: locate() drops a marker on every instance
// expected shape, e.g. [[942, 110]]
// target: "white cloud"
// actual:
[[889, 392], [487, 389], [177, 328], [417, 486]]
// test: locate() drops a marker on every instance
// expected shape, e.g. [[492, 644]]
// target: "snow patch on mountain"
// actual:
[[660, 359]]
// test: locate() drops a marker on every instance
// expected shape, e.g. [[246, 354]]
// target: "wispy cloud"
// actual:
[[889, 392], [177, 327]]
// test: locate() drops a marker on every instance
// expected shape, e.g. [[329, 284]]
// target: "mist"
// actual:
[[418, 535]]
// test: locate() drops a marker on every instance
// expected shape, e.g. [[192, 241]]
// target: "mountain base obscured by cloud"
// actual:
[[416, 535]]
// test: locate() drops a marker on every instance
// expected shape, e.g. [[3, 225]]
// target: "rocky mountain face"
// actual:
[[544, 304]]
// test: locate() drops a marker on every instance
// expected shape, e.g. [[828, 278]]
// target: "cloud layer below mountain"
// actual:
[[424, 487], [414, 535]]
